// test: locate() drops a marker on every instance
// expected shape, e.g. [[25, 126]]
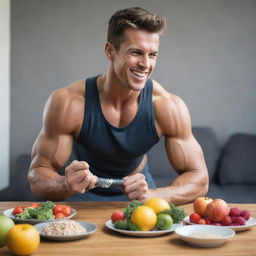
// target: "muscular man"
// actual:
[[114, 119]]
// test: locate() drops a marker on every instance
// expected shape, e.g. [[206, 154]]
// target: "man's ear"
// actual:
[[109, 50]]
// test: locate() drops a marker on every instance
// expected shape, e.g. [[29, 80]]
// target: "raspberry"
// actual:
[[240, 220], [226, 221], [208, 221], [235, 211], [245, 214], [233, 220]]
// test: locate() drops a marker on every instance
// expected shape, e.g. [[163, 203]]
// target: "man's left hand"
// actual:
[[136, 187]]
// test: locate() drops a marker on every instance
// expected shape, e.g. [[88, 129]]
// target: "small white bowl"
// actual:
[[204, 235]]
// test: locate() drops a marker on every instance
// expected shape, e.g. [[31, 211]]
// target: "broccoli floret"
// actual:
[[132, 226], [126, 225], [176, 213], [47, 205], [24, 215], [121, 225], [41, 214]]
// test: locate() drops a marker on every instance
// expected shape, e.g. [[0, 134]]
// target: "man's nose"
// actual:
[[144, 61]]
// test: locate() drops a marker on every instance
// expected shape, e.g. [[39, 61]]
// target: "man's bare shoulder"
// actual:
[[171, 112], [65, 105]]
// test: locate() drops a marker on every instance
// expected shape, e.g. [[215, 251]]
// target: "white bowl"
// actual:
[[204, 235]]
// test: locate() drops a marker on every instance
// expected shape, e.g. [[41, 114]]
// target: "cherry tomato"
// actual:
[[35, 205], [18, 210], [60, 215], [67, 210], [58, 208]]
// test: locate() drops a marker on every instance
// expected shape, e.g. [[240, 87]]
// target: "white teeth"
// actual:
[[140, 74]]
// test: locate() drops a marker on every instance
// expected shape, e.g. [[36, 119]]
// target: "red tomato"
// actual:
[[195, 217], [67, 210], [18, 210], [58, 208], [60, 215], [35, 205]]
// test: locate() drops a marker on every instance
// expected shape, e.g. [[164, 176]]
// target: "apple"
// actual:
[[117, 215], [5, 225], [22, 239], [200, 205], [217, 210]]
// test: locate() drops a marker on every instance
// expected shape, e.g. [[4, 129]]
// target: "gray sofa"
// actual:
[[232, 169]]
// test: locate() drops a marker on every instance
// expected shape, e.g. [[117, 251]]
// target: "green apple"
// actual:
[[5, 225]]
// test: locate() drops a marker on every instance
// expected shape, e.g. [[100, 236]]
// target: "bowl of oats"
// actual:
[[205, 235]]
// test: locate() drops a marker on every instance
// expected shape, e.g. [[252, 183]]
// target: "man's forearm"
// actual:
[[48, 184], [184, 189]]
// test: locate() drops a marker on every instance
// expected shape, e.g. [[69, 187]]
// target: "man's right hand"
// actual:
[[79, 178]]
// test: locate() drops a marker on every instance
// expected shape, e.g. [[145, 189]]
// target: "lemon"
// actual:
[[164, 221], [157, 204], [144, 217]]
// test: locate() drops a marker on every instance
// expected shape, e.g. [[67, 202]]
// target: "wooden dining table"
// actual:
[[107, 242]]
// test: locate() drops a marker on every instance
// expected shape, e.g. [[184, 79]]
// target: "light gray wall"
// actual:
[[207, 57], [5, 32]]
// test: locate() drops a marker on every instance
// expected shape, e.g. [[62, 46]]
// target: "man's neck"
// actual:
[[112, 91]]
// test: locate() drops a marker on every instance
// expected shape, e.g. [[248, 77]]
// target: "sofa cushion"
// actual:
[[19, 189], [233, 193], [207, 139], [238, 162], [162, 171]]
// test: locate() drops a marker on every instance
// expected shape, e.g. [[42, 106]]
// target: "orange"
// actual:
[[157, 204], [144, 217], [23, 239]]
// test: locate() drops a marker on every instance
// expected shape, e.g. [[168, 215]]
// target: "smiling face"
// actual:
[[135, 60]]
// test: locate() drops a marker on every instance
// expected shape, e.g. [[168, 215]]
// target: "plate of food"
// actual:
[[205, 235], [109, 224], [65, 230], [249, 223], [217, 212], [40, 212]]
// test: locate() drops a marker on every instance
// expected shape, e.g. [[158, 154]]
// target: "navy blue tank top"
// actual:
[[111, 151]]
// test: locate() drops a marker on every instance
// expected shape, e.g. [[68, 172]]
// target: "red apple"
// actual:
[[217, 210], [200, 205], [117, 215]]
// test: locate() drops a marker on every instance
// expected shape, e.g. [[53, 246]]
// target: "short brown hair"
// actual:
[[134, 17]]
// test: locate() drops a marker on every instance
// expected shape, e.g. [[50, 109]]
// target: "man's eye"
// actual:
[[135, 53], [153, 55]]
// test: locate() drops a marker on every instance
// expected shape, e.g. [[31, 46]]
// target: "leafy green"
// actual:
[[176, 213], [130, 208], [43, 212], [46, 205], [126, 225]]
